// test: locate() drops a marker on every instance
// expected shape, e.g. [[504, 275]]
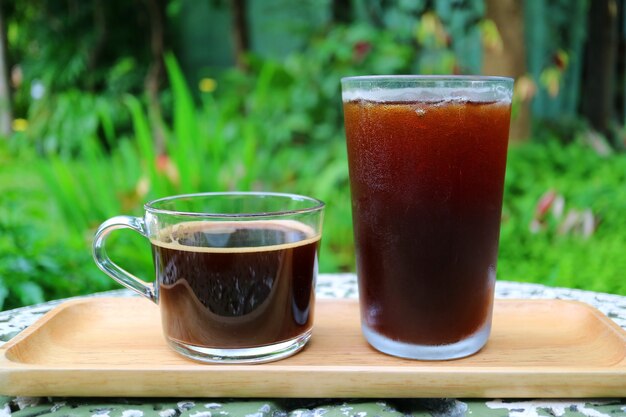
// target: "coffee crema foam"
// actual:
[[170, 237]]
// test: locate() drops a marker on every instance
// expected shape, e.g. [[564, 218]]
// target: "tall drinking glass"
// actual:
[[427, 158]]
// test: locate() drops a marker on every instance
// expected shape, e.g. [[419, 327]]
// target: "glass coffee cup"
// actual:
[[235, 272]]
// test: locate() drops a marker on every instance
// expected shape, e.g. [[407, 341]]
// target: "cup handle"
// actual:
[[111, 268]]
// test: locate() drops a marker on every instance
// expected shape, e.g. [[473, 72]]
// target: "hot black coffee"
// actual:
[[236, 284]]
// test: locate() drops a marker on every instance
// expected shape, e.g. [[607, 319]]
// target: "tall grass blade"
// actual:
[[145, 144], [61, 182], [186, 148]]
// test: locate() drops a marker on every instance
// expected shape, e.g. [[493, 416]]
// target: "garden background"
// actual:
[[107, 104]]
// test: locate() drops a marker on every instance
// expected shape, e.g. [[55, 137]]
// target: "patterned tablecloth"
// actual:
[[329, 286]]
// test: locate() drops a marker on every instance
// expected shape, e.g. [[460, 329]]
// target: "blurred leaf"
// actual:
[[185, 128], [491, 35], [29, 293]]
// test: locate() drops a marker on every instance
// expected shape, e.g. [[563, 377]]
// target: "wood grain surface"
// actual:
[[114, 347]]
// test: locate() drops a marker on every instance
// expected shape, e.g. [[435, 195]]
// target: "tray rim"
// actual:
[[614, 374]]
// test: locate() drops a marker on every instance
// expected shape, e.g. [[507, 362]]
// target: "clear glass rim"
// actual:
[[316, 204], [429, 78]]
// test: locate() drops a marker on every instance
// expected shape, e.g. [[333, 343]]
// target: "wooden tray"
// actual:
[[114, 347]]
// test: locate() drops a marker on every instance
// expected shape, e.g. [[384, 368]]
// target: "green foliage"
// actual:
[[553, 248], [557, 32], [86, 157], [71, 63], [40, 258], [78, 44], [59, 123]]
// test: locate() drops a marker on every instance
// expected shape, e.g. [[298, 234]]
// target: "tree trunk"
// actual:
[[599, 82], [6, 111], [156, 13], [240, 32], [510, 59]]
